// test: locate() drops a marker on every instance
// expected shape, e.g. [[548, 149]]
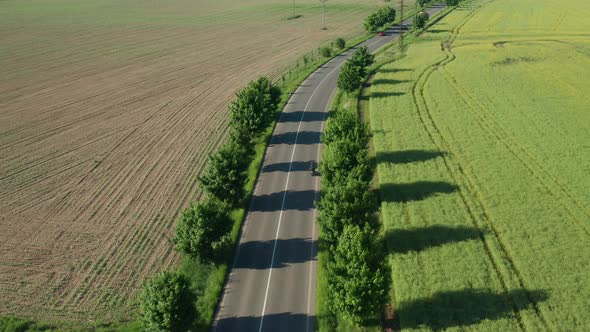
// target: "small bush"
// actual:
[[326, 52], [166, 303], [340, 43], [422, 3], [13, 324], [420, 20]]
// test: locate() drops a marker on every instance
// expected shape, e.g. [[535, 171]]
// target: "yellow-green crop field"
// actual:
[[482, 137]]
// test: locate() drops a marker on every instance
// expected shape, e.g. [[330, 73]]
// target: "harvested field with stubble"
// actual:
[[482, 140], [107, 113]]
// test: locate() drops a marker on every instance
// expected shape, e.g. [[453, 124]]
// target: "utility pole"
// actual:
[[323, 2], [293, 9], [401, 27]]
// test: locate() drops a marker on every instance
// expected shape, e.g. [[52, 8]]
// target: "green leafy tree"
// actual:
[[254, 107], [383, 16], [422, 3], [350, 78], [343, 160], [166, 303], [340, 43], [225, 175], [358, 278], [362, 58], [246, 111], [388, 14], [346, 126], [452, 2], [420, 20], [272, 93], [372, 23], [202, 232], [352, 203], [243, 138]]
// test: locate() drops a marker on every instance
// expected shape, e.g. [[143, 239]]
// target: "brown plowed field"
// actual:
[[107, 112]]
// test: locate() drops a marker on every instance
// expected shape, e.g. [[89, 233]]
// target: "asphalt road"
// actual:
[[271, 286]]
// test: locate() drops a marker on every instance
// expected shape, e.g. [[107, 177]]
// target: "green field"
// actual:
[[482, 137]]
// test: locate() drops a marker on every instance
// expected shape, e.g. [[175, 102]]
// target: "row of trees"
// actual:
[[357, 275], [380, 18], [354, 71], [203, 230]]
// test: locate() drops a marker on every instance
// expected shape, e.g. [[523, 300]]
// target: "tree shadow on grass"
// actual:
[[386, 94], [257, 254], [395, 70], [273, 322], [415, 191], [408, 156], [437, 30], [402, 241], [388, 81], [464, 308]]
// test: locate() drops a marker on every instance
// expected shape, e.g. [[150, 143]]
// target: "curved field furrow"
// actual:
[[469, 196], [518, 151], [481, 143]]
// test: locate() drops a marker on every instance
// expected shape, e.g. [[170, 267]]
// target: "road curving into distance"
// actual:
[[271, 285]]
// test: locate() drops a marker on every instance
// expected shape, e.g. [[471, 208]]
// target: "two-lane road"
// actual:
[[271, 285]]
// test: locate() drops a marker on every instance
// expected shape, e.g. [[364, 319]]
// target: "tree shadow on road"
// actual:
[[273, 322], [296, 166], [302, 116], [304, 137], [258, 254], [294, 200], [402, 241]]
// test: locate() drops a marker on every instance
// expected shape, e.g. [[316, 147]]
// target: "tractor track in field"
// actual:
[[487, 123], [468, 193]]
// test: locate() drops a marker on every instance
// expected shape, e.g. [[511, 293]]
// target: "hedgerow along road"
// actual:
[[271, 285]]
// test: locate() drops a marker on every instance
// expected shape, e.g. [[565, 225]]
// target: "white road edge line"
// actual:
[[272, 260], [315, 210]]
